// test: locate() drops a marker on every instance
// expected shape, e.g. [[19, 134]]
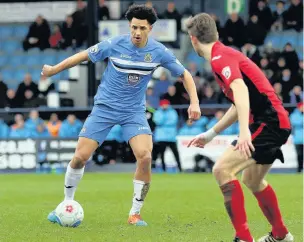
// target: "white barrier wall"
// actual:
[[216, 147]]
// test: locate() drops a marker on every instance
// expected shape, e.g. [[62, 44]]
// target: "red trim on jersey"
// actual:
[[258, 131]]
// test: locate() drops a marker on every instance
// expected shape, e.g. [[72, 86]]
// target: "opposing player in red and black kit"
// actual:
[[264, 128]]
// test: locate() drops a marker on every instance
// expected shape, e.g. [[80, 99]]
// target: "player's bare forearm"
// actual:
[[190, 87], [227, 120], [71, 62], [241, 101]]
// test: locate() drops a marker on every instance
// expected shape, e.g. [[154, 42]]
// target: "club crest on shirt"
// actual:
[[133, 79], [226, 72], [148, 57], [94, 49]]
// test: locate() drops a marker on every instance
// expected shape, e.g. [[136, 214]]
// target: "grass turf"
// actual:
[[179, 208]]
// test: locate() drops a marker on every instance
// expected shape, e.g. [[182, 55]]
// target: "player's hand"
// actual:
[[198, 141], [47, 71], [244, 144], [194, 112]]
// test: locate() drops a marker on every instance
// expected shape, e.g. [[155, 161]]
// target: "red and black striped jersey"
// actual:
[[229, 64]]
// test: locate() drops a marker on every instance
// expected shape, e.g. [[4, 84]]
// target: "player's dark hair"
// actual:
[[141, 12], [203, 27]]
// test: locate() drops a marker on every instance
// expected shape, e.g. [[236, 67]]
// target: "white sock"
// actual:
[[140, 191], [72, 178]]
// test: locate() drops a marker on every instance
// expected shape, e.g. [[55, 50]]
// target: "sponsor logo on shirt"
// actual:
[[142, 128], [216, 57], [125, 56], [133, 79], [226, 72]]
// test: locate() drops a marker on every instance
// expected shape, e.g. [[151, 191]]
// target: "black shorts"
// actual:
[[267, 141]]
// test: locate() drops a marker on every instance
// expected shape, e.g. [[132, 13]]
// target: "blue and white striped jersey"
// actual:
[[124, 82]]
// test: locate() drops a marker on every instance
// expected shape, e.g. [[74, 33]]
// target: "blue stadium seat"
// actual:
[[64, 75], [19, 74], [36, 73], [6, 32], [20, 31], [56, 77], [62, 56], [31, 60], [16, 60], [48, 59], [10, 46], [8, 75], [3, 60], [12, 84], [300, 39], [289, 36], [275, 38]]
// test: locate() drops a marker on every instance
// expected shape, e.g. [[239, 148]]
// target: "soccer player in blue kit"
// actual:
[[120, 99]]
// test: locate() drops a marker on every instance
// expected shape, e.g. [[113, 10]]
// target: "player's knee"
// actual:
[[221, 173], [144, 157], [252, 184], [80, 158]]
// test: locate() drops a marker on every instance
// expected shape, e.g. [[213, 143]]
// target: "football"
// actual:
[[69, 213]]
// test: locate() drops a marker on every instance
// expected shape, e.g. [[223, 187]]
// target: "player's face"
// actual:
[[140, 30]]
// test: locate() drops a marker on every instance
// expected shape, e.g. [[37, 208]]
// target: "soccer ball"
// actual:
[[69, 213]]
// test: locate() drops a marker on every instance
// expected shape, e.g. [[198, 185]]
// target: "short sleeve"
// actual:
[[170, 62], [227, 68], [100, 51]]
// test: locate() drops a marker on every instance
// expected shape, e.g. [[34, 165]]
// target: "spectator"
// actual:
[[255, 31], [4, 129], [41, 131], [18, 130], [3, 91], [151, 98], [70, 127], [264, 65], [68, 31], [45, 85], [112, 141], [252, 52], [162, 85], [80, 23], [296, 95], [233, 129], [194, 128], [293, 17], [291, 57], [24, 86], [278, 16], [300, 71], [33, 121], [296, 119], [54, 125], [181, 92], [150, 5], [278, 90], [56, 37], [209, 96], [11, 101], [264, 14], [172, 96], [38, 35], [172, 13], [218, 26], [30, 100], [166, 120], [103, 11], [234, 31], [288, 81], [192, 68]]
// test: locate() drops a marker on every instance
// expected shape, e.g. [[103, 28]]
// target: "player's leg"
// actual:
[[136, 130], [162, 150], [93, 133], [174, 149], [253, 178], [225, 170]]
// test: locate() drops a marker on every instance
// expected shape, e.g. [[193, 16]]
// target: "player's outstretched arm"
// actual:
[[241, 100], [194, 110], [65, 64], [204, 138], [227, 120]]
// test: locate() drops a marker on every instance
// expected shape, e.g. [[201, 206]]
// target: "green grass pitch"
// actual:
[[179, 208]]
